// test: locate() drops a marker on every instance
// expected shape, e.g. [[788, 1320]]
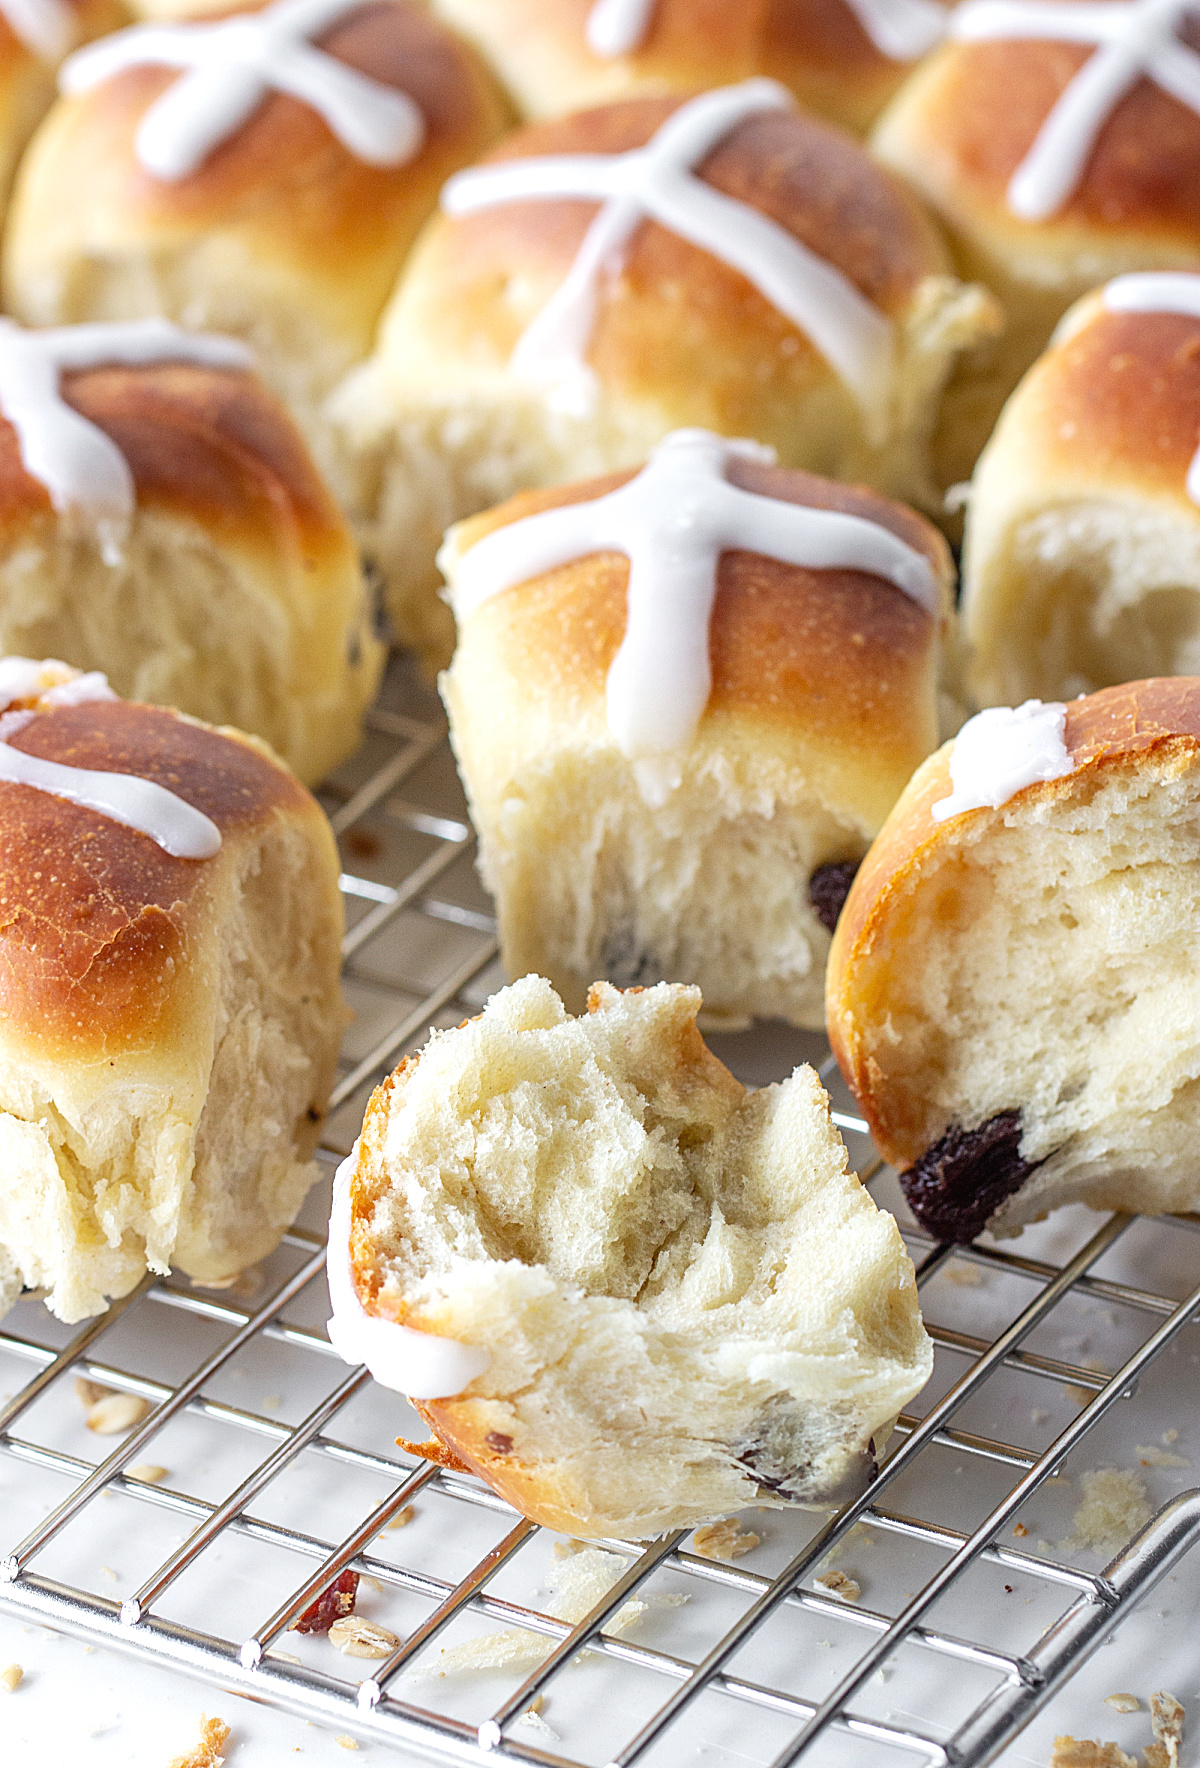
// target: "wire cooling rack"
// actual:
[[959, 1636]]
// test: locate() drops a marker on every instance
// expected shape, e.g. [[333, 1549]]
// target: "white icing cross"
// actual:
[[81, 467], [899, 29], [44, 26], [170, 821], [1160, 292], [658, 182], [673, 522], [1134, 40], [1000, 752], [232, 65]]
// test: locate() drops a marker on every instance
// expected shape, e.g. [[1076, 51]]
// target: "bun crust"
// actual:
[[169, 1028], [816, 47], [27, 85], [281, 235], [239, 596], [1035, 879]]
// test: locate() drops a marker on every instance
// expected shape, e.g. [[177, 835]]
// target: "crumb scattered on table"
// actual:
[[346, 1743], [1020, 1531], [1155, 1457], [116, 1414], [402, 1518], [88, 1392], [1073, 1752], [839, 1584], [1114, 1507], [1123, 1703], [207, 1753], [964, 1276], [1166, 1720], [147, 1472], [11, 1678], [724, 1540]]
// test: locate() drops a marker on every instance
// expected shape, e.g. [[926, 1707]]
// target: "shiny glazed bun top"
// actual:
[[841, 58]]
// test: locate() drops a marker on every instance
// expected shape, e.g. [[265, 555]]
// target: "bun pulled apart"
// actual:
[[1081, 566], [842, 59], [681, 1299], [170, 1013], [765, 279], [683, 703], [1011, 989], [244, 209], [161, 520]]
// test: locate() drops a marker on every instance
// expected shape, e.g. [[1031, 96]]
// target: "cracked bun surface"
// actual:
[[824, 698], [169, 1027], [1081, 565], [282, 236], [237, 595], [1011, 990], [961, 129], [440, 423], [688, 1303], [817, 48]]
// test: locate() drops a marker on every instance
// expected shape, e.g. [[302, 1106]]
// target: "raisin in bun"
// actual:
[[546, 339], [1082, 554], [626, 1292], [279, 228], [1049, 181], [34, 37], [169, 1005], [674, 766], [1011, 988], [161, 520], [843, 59]]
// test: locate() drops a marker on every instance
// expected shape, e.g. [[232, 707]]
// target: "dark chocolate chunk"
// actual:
[[497, 1443], [793, 1452], [965, 1177], [828, 889]]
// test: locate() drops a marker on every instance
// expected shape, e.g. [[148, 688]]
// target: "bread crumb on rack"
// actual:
[[1083, 1396], [345, 1743], [1074, 1752], [146, 1471], [838, 1584], [207, 1753], [11, 1678], [1166, 1721], [532, 1718], [88, 1392], [401, 1519], [1114, 1507], [964, 1275], [1123, 1703], [116, 1414], [1020, 1531], [1152, 1456], [355, 1637], [726, 1539]]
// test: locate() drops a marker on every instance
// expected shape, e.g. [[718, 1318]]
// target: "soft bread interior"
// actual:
[[1045, 963], [708, 887], [196, 1151], [1081, 594], [257, 637], [689, 1302]]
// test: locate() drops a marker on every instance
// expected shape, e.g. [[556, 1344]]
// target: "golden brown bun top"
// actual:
[[809, 178], [839, 659], [283, 171], [96, 920], [1116, 400], [1119, 726], [213, 445], [975, 109], [817, 47]]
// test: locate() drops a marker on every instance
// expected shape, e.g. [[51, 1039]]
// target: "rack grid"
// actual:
[[421, 951]]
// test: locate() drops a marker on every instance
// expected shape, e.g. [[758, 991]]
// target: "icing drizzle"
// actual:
[[44, 26], [1133, 39], [81, 467], [420, 1364], [176, 826], [899, 29], [1001, 751], [230, 66], [1160, 292], [658, 182], [673, 522]]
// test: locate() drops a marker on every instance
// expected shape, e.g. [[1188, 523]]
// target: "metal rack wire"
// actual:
[[421, 951]]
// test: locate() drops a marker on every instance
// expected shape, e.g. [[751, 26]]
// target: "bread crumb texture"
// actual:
[[689, 1302], [724, 1540], [1073, 1752], [1166, 1721], [11, 1678], [1113, 1509], [841, 1585], [206, 1753], [1123, 1703]]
